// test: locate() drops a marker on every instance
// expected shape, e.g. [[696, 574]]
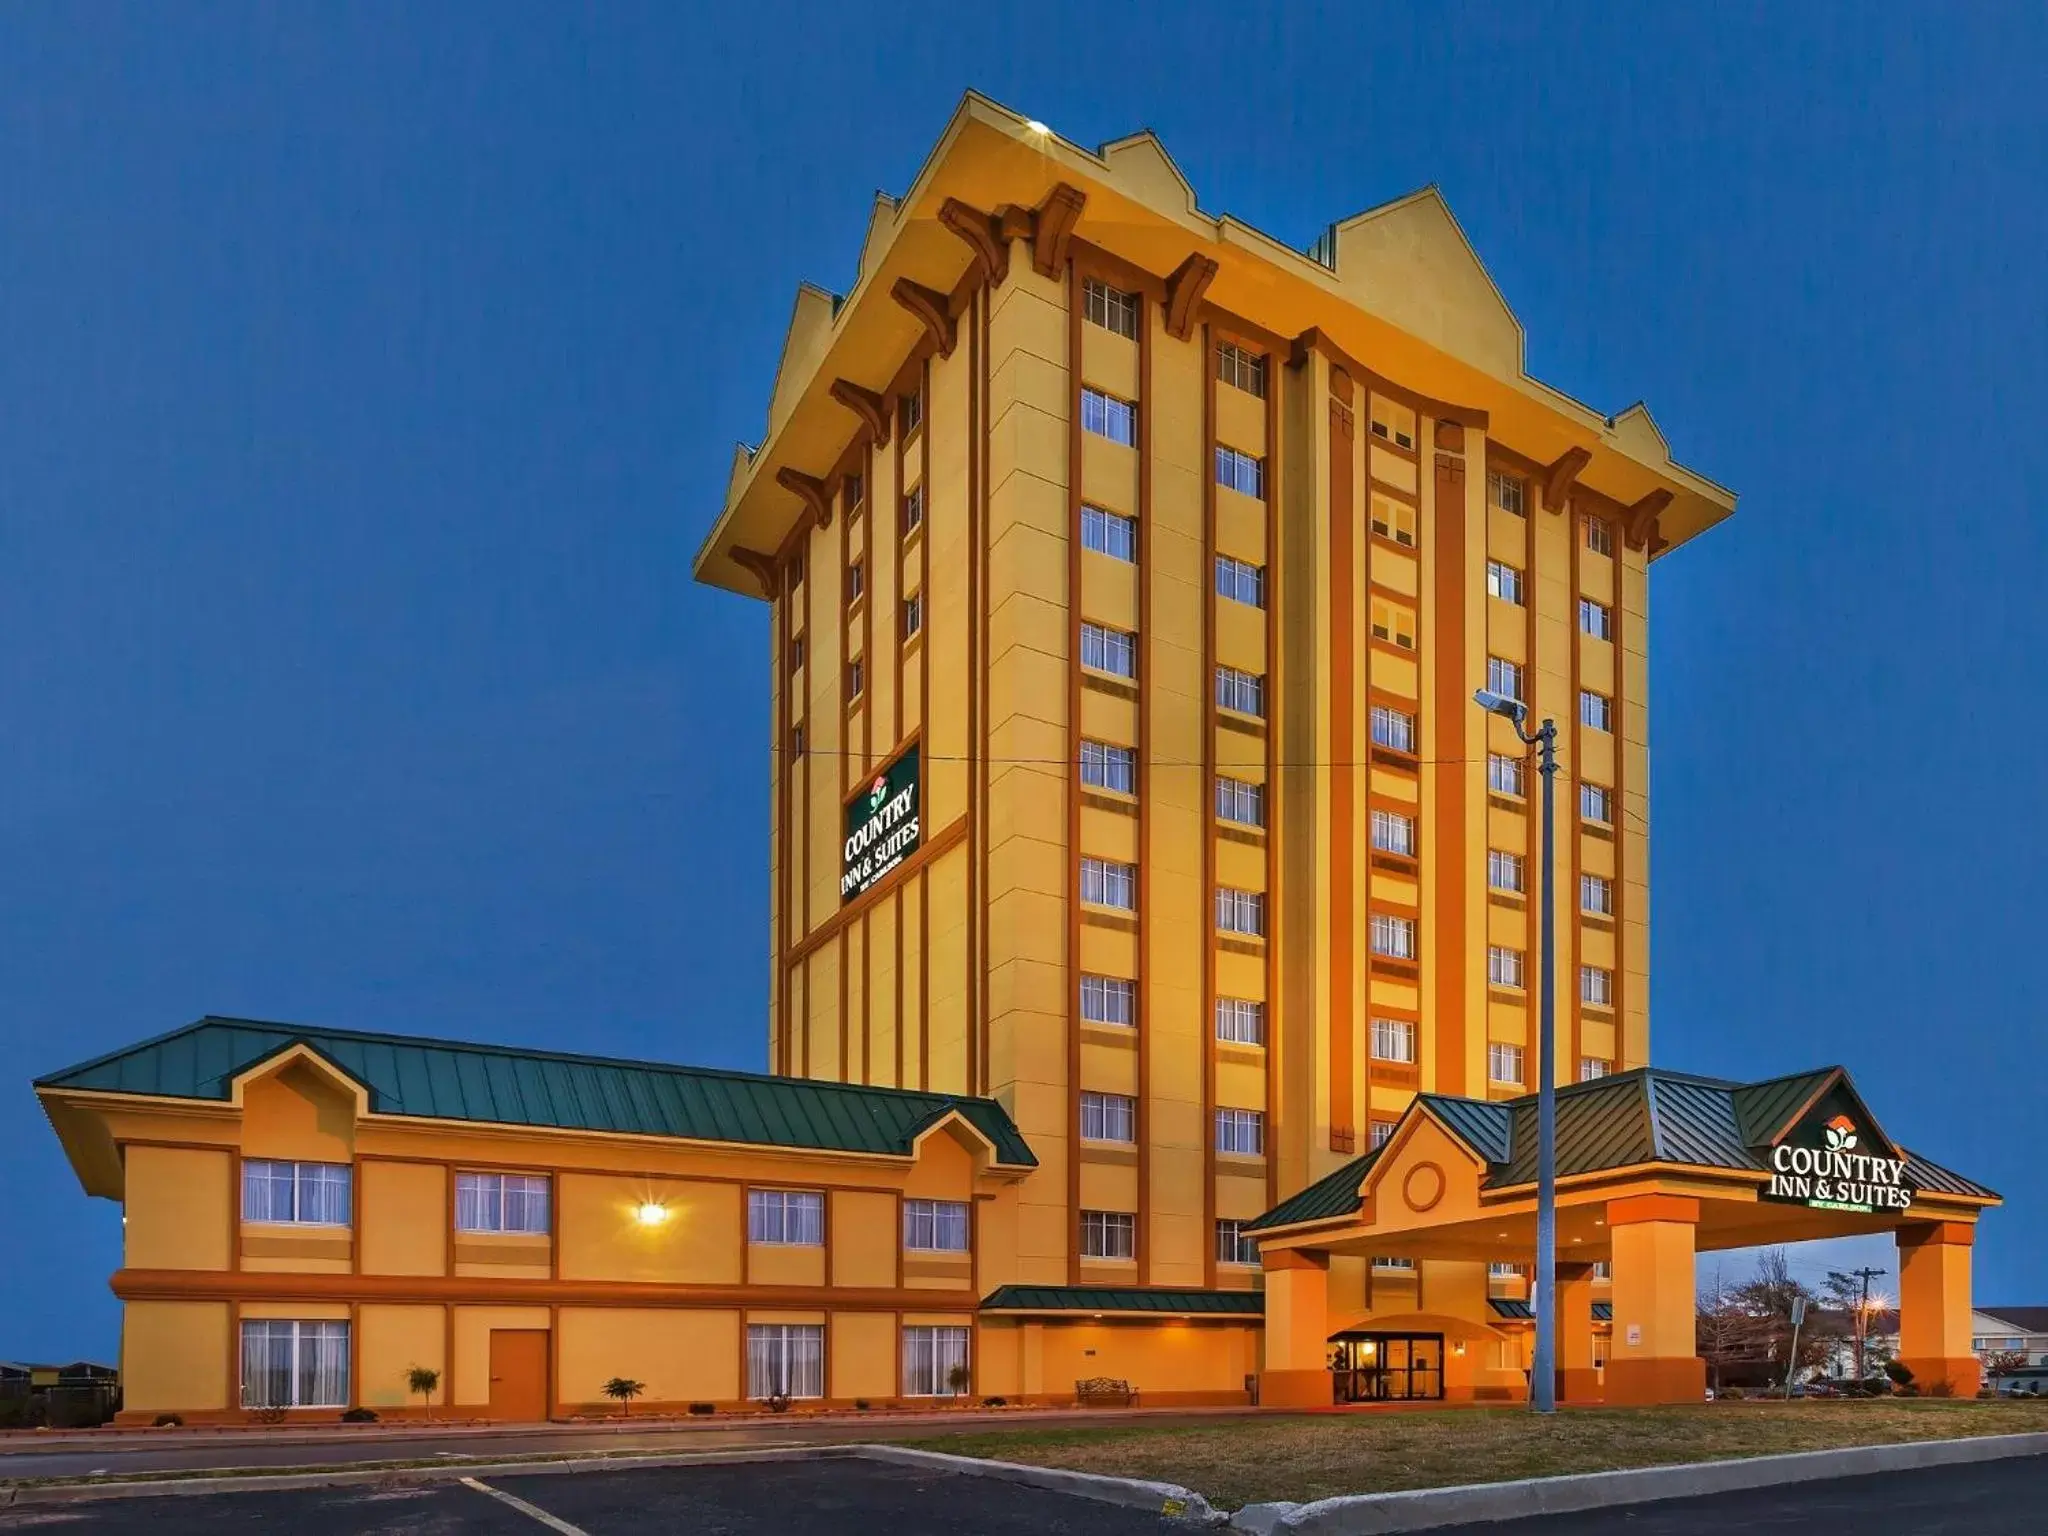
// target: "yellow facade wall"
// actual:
[[394, 1339], [179, 1210], [403, 1213], [174, 1356], [683, 1354], [698, 1241]]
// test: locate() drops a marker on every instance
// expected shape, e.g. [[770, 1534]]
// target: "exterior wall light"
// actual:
[[650, 1213]]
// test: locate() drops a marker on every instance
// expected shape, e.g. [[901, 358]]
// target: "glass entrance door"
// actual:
[[1387, 1367]]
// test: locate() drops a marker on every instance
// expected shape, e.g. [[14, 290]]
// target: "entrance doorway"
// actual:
[[519, 1375], [1388, 1367]]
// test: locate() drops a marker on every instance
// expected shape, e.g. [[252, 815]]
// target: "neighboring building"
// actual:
[[1154, 916], [1999, 1331]]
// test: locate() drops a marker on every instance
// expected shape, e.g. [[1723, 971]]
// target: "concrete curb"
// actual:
[[1429, 1508], [1169, 1499]]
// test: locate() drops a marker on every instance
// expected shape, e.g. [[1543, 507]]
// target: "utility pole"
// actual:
[[1866, 1275]]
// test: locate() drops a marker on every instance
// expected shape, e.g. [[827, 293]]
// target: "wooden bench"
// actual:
[[1105, 1389]]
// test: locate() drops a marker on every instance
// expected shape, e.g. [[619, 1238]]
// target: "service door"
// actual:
[[519, 1375]]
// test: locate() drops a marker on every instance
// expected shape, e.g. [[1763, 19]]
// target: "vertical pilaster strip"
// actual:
[[1622, 913], [1344, 770], [811, 749], [1447, 778], [900, 1030], [972, 1039], [784, 759], [870, 558], [1571, 922], [978, 772], [924, 879], [1532, 841], [1146, 447], [1205, 801], [1274, 693], [1073, 773]]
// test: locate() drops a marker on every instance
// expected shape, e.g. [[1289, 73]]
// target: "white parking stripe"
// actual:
[[532, 1511]]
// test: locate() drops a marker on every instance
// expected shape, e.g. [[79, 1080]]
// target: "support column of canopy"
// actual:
[[1934, 1304], [1297, 1369], [1654, 1354], [1578, 1380]]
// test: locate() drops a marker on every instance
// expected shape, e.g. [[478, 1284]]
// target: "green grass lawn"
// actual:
[[1322, 1455]]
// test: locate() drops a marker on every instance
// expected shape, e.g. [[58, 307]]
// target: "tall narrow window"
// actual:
[[1394, 623], [1109, 533], [1394, 1040], [856, 677], [1393, 936], [302, 1194], [1240, 582], [1108, 1117], [1104, 766], [796, 654], [1505, 491], [785, 1360], [1243, 692], [1503, 966], [1507, 775], [1382, 1131], [1105, 883], [1393, 729], [1240, 801], [1234, 1245], [1505, 678], [1596, 895], [1599, 535], [1394, 520], [1109, 650], [1109, 1000], [1242, 1131], [787, 1218], [913, 615], [1106, 416], [1596, 986], [1240, 472], [1110, 308], [856, 580], [1504, 870], [913, 412], [1107, 1234], [1504, 1064], [1393, 833], [913, 510], [1240, 911], [1596, 619], [1596, 710], [1596, 804], [1504, 582], [1240, 1021], [291, 1364], [935, 1226], [1241, 369], [934, 1361]]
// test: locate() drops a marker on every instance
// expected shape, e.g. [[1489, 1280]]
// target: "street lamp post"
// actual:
[[1543, 1372]]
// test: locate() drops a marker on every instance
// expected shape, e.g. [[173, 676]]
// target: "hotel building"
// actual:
[[1128, 576]]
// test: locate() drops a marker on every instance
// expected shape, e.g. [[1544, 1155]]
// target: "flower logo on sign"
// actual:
[[877, 793], [1841, 1134]]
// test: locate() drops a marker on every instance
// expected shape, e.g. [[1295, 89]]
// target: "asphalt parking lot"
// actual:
[[788, 1498]]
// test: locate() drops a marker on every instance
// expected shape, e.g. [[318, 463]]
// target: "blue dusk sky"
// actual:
[[370, 373]]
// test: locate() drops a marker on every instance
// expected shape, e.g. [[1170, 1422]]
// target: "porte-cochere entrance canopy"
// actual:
[[1652, 1168]]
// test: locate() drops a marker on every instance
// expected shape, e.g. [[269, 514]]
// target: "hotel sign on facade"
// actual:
[[882, 827], [1836, 1159]]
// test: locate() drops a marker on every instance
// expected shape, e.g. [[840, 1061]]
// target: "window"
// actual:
[[1242, 1131], [789, 1218], [1393, 729], [1507, 775], [935, 1226], [1394, 423], [1591, 1067], [785, 1360], [1603, 1270], [913, 510], [1505, 491], [1596, 894], [1106, 767], [1596, 710], [796, 742], [288, 1364], [1240, 1021], [1240, 911], [856, 491], [1596, 619], [1240, 582], [1599, 535], [1503, 966], [796, 569], [501, 1202], [1107, 1234], [1108, 417], [1240, 472], [1393, 1040], [1393, 833], [1241, 369], [1504, 582], [796, 654], [1394, 623], [1109, 1000], [913, 412], [1240, 691], [1596, 804], [1109, 650], [1504, 1063], [1110, 308], [1108, 1117], [1394, 520], [1504, 678], [1504, 870], [1234, 1245], [1381, 1131], [934, 1362], [1109, 533], [1109, 884], [1502, 1271], [856, 677], [913, 615], [1393, 936], [1380, 1261], [856, 580], [307, 1194], [1240, 801], [1596, 986]]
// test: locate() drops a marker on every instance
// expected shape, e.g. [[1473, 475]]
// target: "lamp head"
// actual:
[[1513, 710]]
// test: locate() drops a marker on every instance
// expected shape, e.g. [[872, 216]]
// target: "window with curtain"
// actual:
[[935, 1226], [306, 1194], [291, 1364], [785, 1360], [790, 1217], [501, 1202], [931, 1357]]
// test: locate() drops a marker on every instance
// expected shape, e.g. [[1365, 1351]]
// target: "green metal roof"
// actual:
[[503, 1085], [1622, 1121], [1106, 1298]]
